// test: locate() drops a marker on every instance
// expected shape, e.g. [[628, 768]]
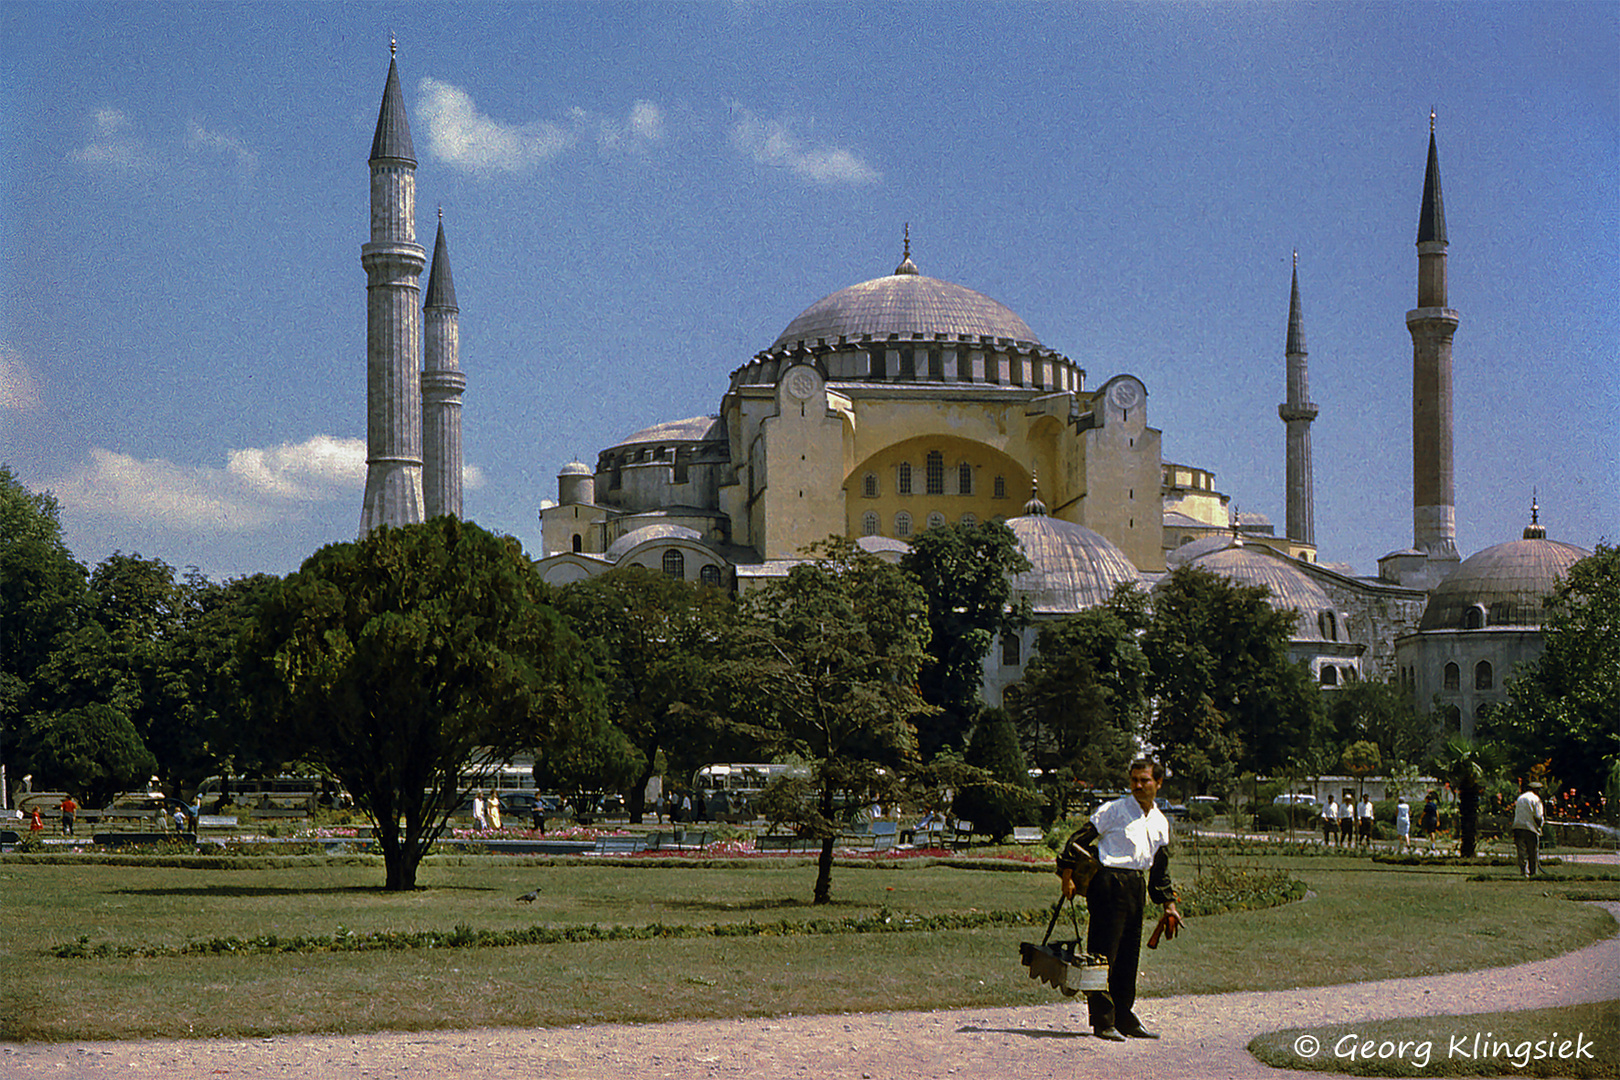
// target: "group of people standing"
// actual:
[[1352, 824], [486, 810]]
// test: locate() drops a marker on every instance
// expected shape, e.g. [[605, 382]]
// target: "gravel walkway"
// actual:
[[1204, 1037]]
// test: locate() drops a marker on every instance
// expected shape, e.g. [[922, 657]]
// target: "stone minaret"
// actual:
[[1297, 413], [393, 261], [1432, 323], [442, 384]]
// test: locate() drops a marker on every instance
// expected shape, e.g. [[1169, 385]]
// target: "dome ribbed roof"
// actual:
[[1072, 567], [905, 303], [576, 468], [636, 537], [1257, 564], [1509, 581], [692, 429]]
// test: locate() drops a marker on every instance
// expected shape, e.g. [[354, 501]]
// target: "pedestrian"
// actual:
[[479, 822], [1366, 820], [1347, 822], [1330, 822], [69, 810], [1403, 824], [1117, 860], [1528, 818], [1430, 822], [35, 826], [492, 810]]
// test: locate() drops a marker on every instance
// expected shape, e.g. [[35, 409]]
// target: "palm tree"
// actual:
[[1468, 766]]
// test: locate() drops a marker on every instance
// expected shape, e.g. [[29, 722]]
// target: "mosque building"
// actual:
[[908, 402]]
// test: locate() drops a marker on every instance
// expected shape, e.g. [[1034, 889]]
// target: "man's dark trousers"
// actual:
[[1115, 903]]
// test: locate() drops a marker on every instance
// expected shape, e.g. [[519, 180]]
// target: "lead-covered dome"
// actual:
[[1258, 564], [1501, 586], [906, 303], [1071, 567]]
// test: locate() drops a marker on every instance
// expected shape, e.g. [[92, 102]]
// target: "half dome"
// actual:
[[905, 304], [1501, 586], [1258, 564], [636, 537], [1072, 568]]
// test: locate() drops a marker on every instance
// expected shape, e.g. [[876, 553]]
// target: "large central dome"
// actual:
[[905, 303]]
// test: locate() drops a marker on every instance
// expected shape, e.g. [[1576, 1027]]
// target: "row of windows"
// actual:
[[1331, 676], [1451, 677], [933, 479], [675, 567], [872, 525]]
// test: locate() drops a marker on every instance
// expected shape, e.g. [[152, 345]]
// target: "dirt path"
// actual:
[[1204, 1037]]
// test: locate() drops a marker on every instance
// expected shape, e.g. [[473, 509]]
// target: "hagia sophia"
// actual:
[[907, 402]]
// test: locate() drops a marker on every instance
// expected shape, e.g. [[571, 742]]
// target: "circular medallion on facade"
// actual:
[[1125, 394], [802, 383]]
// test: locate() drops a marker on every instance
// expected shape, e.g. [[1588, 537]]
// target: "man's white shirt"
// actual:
[[1127, 836]]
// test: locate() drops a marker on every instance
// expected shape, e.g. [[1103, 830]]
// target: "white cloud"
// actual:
[[772, 143], [113, 143], [642, 129], [200, 138], [19, 388], [472, 477], [459, 134], [257, 488]]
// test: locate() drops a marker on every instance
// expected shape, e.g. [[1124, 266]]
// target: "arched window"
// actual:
[[1474, 617], [1329, 675], [936, 520], [675, 564], [869, 523], [579, 543], [1483, 679], [970, 520], [964, 479], [869, 486], [1328, 624], [999, 488], [903, 478], [936, 473], [709, 574], [1453, 677], [1012, 650], [902, 524]]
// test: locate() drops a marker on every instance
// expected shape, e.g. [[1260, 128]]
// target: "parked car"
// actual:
[[1296, 800], [1174, 811]]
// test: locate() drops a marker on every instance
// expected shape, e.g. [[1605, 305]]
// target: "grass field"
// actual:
[[1363, 922]]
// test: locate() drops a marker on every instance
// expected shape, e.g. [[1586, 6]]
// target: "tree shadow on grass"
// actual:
[[291, 890], [761, 904], [1028, 1033]]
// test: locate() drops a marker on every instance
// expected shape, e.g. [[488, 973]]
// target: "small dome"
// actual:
[[1500, 586], [1072, 567], [576, 468], [905, 303], [692, 429], [636, 537], [1257, 564]]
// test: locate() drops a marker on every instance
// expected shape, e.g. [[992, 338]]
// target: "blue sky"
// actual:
[[640, 197]]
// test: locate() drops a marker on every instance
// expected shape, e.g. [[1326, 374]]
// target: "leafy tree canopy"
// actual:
[[94, 751], [395, 660], [966, 573]]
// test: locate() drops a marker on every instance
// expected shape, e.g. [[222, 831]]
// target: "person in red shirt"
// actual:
[[69, 809], [35, 825]]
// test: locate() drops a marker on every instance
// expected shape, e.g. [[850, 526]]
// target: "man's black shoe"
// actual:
[[1140, 1032], [1110, 1034]]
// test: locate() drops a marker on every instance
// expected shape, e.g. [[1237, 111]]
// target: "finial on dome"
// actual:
[[1296, 258], [906, 265], [1431, 119], [1534, 530], [393, 46], [1034, 508], [441, 213]]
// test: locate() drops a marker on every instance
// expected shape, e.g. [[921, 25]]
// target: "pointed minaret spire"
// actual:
[[1297, 413], [1534, 530], [442, 386], [1432, 324]]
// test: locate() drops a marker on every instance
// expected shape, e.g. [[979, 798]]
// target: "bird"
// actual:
[[529, 897]]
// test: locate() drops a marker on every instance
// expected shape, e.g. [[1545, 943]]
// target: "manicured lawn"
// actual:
[[1420, 921]]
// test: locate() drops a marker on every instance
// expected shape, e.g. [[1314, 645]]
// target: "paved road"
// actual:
[[1204, 1037]]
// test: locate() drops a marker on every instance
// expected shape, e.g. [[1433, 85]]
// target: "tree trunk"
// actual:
[[638, 794], [824, 872]]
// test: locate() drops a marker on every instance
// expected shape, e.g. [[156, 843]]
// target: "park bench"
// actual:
[[961, 834], [689, 840], [785, 842], [621, 845], [1027, 834]]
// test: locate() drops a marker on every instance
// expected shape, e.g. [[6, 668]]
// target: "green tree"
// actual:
[[1228, 697], [966, 573], [1469, 767], [1565, 706], [1361, 759], [42, 600], [1384, 715], [1083, 696], [825, 664], [396, 661], [596, 758], [94, 751], [1006, 796], [660, 638]]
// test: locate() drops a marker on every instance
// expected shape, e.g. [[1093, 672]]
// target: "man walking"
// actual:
[[1528, 818], [1330, 822], [1117, 860]]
